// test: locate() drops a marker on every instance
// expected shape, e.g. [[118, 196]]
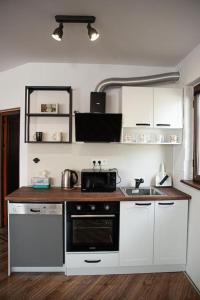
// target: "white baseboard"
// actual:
[[38, 269], [124, 270], [102, 270]]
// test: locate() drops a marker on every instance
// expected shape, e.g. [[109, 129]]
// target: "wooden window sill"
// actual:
[[191, 183]]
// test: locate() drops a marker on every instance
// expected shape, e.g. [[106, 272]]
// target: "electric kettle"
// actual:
[[68, 179]]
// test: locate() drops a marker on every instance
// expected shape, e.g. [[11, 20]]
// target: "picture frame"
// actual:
[[49, 108]]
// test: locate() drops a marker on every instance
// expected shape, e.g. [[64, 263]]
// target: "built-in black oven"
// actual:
[[92, 226], [98, 180]]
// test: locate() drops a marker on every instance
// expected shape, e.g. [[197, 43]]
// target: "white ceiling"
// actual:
[[141, 32]]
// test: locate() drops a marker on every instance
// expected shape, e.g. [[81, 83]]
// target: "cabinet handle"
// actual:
[[92, 261], [166, 203], [143, 204], [35, 210], [160, 124], [142, 124]]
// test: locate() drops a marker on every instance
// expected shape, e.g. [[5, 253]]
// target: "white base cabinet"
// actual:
[[136, 233], [154, 234], [170, 238]]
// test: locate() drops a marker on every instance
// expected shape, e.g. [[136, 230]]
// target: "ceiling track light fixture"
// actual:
[[58, 32]]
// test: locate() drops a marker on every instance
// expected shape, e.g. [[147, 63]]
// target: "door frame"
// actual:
[[3, 113]]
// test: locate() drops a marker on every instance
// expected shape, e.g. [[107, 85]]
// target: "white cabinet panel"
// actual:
[[170, 237], [168, 107], [92, 260], [136, 233], [137, 106]]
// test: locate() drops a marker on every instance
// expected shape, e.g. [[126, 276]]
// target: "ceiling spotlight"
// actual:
[[58, 33], [92, 33]]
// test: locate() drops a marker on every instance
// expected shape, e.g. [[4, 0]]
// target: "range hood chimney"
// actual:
[[137, 81], [97, 102]]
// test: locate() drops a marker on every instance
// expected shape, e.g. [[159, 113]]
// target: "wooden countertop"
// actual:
[[56, 194]]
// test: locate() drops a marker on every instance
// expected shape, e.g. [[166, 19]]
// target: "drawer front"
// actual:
[[92, 260]]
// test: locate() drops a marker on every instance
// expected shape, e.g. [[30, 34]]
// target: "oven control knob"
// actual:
[[78, 207], [92, 207], [107, 207]]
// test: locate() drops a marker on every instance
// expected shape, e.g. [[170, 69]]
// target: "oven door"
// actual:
[[92, 232]]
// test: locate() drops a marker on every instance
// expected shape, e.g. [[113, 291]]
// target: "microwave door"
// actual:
[[96, 183]]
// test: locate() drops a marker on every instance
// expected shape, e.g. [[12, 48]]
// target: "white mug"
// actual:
[[141, 138], [160, 138], [64, 136], [173, 138], [57, 136]]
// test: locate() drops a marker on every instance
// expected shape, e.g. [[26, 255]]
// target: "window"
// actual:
[[196, 169]]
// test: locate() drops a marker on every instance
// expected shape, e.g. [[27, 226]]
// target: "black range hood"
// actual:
[[98, 127]]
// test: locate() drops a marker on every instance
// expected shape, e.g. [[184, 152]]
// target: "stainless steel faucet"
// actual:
[[138, 182]]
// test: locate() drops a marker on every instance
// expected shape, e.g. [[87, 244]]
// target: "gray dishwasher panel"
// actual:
[[36, 240]]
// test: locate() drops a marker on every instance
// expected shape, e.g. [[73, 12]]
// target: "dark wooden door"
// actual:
[[10, 130], [1, 171], [12, 153]]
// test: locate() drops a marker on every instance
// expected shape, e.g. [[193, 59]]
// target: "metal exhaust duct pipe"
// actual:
[[137, 81]]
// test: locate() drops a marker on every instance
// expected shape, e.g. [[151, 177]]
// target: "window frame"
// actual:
[[196, 176]]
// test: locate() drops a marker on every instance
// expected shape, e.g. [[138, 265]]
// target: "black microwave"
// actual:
[[93, 180]]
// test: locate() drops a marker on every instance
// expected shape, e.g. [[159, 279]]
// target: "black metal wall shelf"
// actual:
[[30, 115], [47, 115], [49, 142]]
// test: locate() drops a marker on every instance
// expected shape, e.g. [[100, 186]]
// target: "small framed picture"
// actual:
[[49, 108]]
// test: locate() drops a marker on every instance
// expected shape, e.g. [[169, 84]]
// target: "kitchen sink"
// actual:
[[131, 191]]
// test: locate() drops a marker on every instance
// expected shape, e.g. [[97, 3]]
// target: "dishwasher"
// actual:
[[35, 237]]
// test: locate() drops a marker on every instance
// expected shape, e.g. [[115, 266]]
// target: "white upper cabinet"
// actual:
[[136, 233], [137, 106], [152, 107], [168, 107], [170, 238]]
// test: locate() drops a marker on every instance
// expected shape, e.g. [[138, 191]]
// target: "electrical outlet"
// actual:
[[104, 162]]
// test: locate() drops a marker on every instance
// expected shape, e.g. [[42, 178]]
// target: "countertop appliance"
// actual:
[[98, 180], [36, 235], [98, 127], [40, 182], [162, 178], [92, 226], [68, 179]]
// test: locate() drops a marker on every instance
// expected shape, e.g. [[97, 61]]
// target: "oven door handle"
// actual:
[[92, 216]]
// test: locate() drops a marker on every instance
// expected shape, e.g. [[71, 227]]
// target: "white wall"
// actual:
[[190, 74], [132, 161]]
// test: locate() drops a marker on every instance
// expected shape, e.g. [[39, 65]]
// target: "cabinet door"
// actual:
[[170, 237], [136, 233], [168, 108], [137, 106]]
